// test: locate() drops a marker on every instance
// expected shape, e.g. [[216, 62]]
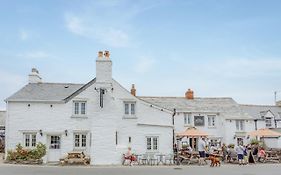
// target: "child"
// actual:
[[261, 155]]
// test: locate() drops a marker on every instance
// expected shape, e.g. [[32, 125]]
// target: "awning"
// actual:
[[192, 132], [264, 133]]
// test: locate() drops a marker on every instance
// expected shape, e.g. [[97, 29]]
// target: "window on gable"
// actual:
[[79, 108], [152, 143], [268, 122], [130, 108], [211, 120], [187, 118], [29, 140], [240, 125]]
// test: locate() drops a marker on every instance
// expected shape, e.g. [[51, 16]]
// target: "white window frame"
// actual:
[[80, 134], [187, 118], [154, 146], [268, 122], [211, 120], [240, 125], [30, 143], [79, 111], [131, 111]]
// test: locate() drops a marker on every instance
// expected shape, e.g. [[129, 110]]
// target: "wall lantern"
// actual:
[[65, 131], [40, 132]]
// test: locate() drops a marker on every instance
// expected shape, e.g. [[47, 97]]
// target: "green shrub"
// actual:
[[21, 153]]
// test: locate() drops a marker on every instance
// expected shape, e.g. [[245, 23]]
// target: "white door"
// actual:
[[54, 148]]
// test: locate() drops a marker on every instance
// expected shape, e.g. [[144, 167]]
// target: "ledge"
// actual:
[[79, 116]]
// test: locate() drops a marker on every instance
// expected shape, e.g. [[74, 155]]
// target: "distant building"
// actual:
[[2, 123]]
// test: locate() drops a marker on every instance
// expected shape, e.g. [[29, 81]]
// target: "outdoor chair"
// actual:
[[152, 159], [169, 158], [144, 159]]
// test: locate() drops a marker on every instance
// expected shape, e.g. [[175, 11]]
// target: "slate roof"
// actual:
[[2, 118], [45, 92], [257, 111], [225, 106]]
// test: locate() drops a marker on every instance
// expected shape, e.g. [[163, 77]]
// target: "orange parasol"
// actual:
[[264, 133], [193, 132]]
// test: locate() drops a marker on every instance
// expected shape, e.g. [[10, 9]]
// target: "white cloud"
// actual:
[[107, 35], [144, 64], [35, 55], [108, 22], [23, 35], [74, 25]]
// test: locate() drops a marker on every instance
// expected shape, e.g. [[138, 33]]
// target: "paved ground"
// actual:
[[272, 169]]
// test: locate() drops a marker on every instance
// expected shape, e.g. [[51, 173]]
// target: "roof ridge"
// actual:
[[257, 105], [60, 83], [184, 97]]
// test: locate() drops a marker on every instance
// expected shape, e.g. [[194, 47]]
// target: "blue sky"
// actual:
[[219, 48]]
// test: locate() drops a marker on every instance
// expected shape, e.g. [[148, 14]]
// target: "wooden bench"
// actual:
[[75, 158]]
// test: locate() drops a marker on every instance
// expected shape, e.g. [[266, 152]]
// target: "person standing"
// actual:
[[224, 152], [202, 150], [240, 153]]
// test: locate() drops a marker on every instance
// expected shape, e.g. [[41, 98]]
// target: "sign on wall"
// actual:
[[199, 121]]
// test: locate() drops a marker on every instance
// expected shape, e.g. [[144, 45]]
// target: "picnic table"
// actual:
[[189, 158], [271, 156], [75, 157]]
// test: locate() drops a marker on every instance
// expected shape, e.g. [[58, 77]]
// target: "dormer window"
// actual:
[[268, 122], [130, 109], [79, 107]]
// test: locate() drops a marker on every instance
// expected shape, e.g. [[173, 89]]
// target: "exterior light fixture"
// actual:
[[66, 132], [40, 132]]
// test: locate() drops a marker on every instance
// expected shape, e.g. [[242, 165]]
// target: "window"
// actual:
[[268, 123], [152, 143], [240, 141], [240, 125], [199, 121], [130, 108], [55, 142], [211, 120], [80, 141], [187, 119], [79, 108], [30, 140]]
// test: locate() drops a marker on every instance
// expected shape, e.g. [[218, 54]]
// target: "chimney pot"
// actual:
[[100, 54], [189, 94], [133, 90], [106, 54]]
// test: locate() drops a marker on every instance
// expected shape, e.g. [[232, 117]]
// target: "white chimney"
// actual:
[[103, 68], [34, 76]]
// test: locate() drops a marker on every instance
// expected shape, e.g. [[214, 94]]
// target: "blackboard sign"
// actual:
[[199, 121]]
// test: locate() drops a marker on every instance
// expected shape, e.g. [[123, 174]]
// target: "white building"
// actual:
[[2, 126], [100, 118], [103, 119], [266, 116], [221, 118]]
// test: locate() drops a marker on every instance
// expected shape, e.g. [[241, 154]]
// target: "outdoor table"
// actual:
[[160, 158], [138, 156]]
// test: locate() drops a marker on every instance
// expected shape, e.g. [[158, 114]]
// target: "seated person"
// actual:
[[261, 154]]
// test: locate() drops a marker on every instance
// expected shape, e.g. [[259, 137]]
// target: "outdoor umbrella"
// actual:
[[193, 132], [264, 133]]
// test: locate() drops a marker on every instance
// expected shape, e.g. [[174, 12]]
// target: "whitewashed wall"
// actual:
[[101, 124]]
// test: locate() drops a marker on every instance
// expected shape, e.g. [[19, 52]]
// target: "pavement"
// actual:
[[260, 169]]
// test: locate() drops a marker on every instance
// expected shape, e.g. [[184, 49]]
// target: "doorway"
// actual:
[[54, 148]]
